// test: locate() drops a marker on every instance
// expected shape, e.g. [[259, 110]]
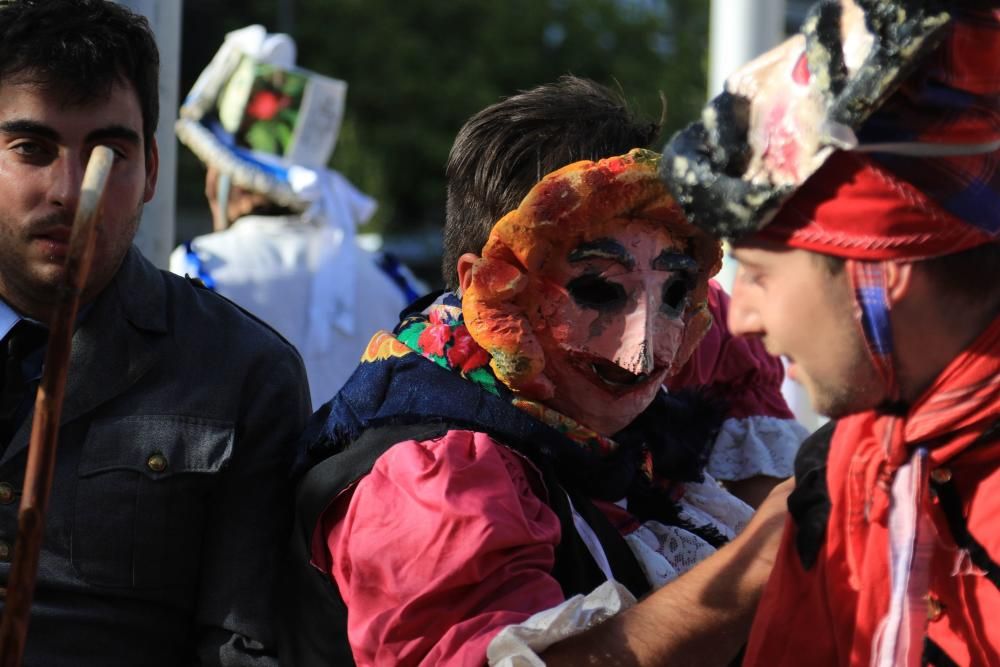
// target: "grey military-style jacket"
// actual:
[[171, 498]]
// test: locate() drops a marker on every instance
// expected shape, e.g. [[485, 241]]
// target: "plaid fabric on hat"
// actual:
[[951, 105], [925, 179]]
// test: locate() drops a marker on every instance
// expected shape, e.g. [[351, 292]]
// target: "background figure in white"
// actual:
[[284, 244]]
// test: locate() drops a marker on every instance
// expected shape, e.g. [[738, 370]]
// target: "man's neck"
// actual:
[[928, 340]]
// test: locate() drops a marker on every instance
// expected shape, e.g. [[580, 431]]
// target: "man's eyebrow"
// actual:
[[602, 249], [671, 260], [25, 126], [117, 132]]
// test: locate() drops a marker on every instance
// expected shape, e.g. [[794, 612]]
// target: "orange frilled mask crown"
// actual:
[[580, 202]]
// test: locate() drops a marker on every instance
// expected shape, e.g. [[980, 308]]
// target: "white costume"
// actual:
[[270, 128], [268, 265]]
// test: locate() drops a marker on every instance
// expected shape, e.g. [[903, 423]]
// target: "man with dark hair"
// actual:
[[502, 151], [170, 493], [874, 266]]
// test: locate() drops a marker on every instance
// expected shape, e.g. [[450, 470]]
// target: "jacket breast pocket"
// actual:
[[144, 487]]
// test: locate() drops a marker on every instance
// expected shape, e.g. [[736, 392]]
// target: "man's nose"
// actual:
[[743, 318], [66, 175]]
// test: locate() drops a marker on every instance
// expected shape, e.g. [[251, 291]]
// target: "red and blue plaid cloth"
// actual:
[[872, 298], [954, 99]]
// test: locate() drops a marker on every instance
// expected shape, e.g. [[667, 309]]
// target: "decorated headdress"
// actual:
[[872, 135], [576, 203], [264, 123], [904, 92], [270, 127]]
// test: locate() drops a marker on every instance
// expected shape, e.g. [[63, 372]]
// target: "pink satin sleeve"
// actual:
[[737, 369], [441, 546]]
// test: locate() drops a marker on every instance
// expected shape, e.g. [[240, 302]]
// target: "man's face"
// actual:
[[44, 147], [611, 321], [805, 312]]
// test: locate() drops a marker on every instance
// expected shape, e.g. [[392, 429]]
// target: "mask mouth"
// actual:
[[615, 375], [611, 377]]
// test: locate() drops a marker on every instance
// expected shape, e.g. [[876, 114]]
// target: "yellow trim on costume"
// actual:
[[382, 346]]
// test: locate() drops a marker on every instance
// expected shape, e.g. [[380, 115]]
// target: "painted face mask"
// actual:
[[593, 291]]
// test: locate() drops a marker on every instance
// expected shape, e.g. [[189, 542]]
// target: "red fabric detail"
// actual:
[[623, 521], [433, 339], [970, 57], [853, 208], [736, 369], [839, 603], [465, 352], [441, 546]]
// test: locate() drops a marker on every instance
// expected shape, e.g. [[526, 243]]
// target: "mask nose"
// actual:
[[636, 352]]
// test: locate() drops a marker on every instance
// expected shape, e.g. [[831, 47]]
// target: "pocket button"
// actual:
[[6, 493], [157, 462]]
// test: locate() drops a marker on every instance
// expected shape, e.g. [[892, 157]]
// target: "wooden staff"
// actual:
[[48, 409]]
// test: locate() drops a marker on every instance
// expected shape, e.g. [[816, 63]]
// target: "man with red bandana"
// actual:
[[869, 258]]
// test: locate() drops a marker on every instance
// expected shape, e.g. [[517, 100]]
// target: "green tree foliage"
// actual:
[[417, 70]]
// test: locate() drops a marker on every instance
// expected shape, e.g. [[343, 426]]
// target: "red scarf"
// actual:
[[881, 506]]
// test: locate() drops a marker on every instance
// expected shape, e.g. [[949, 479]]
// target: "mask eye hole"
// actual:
[[591, 291], [675, 295]]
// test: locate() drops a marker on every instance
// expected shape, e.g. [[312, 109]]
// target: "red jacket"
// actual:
[[830, 612]]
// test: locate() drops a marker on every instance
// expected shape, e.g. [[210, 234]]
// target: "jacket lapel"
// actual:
[[117, 342]]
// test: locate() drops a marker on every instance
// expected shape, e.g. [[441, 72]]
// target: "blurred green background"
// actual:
[[417, 70]]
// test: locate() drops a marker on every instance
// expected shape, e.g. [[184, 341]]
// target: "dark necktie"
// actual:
[[25, 338]]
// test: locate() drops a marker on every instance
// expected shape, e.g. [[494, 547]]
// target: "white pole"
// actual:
[[156, 232], [740, 30]]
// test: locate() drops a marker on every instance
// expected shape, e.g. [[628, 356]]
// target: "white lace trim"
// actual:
[[756, 446], [519, 645], [664, 553]]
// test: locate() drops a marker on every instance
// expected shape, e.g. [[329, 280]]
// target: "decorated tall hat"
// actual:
[[574, 204], [873, 134], [264, 123]]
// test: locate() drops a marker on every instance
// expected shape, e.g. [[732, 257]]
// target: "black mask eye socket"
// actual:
[[592, 291], [675, 295]]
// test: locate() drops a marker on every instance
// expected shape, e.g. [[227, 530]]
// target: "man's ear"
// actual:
[[899, 280], [152, 170], [464, 268]]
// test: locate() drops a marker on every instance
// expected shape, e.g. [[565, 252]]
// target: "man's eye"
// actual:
[[27, 148], [590, 291], [675, 294], [31, 151]]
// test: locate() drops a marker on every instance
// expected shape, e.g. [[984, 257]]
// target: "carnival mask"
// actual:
[[593, 291]]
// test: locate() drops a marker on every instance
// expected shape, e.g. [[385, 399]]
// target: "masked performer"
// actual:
[[508, 471], [284, 244], [868, 216], [498, 156]]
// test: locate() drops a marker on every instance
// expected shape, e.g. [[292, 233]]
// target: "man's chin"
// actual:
[[842, 405]]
